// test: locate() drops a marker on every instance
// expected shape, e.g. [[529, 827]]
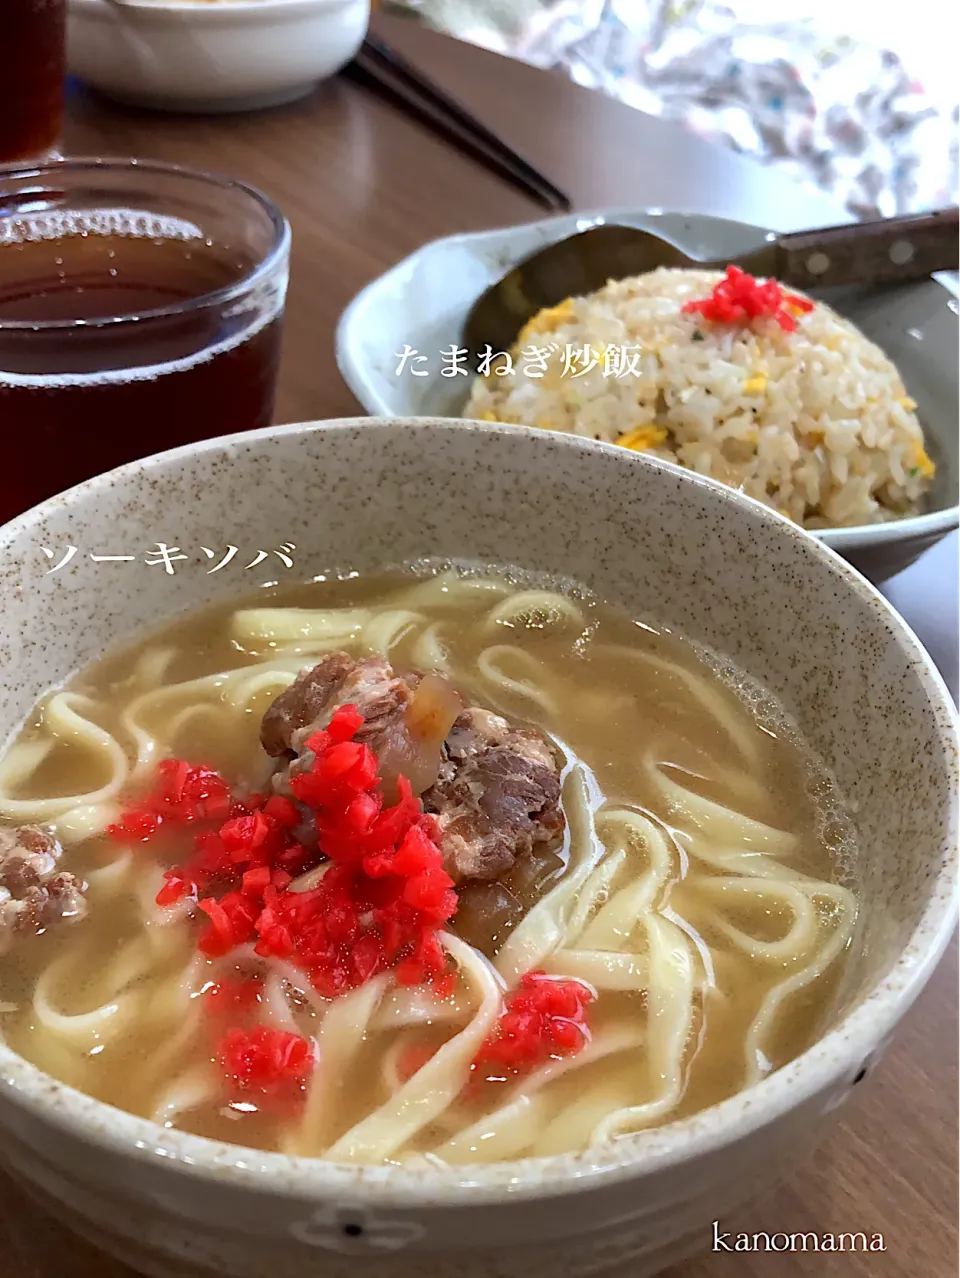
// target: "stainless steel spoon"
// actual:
[[895, 249]]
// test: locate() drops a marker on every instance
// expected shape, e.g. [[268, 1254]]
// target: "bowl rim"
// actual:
[[931, 525], [833, 1061]]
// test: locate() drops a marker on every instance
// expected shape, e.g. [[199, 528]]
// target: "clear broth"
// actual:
[[609, 709]]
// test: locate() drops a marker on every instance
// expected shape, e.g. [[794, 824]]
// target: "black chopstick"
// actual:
[[382, 68]]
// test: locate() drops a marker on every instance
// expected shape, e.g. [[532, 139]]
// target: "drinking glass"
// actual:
[[141, 307], [33, 37]]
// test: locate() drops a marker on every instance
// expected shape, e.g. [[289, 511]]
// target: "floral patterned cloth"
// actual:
[[828, 109]]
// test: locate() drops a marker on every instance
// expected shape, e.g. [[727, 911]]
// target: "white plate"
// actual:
[[423, 301]]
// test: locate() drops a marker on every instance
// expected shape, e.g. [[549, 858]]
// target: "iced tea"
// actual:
[[32, 71], [126, 331]]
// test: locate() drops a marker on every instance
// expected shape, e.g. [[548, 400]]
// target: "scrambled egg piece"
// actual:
[[906, 402], [547, 321], [642, 437], [922, 462], [755, 385], [503, 417]]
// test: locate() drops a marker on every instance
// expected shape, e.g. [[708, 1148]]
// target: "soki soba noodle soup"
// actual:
[[630, 900]]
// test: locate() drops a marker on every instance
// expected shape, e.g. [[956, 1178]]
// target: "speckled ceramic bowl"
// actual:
[[651, 537]]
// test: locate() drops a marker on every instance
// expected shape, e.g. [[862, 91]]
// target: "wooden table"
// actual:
[[363, 186]]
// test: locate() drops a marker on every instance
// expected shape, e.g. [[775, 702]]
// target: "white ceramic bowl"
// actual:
[[231, 55], [718, 567], [423, 301]]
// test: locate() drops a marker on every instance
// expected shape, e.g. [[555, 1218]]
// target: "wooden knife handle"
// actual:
[[897, 248]]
